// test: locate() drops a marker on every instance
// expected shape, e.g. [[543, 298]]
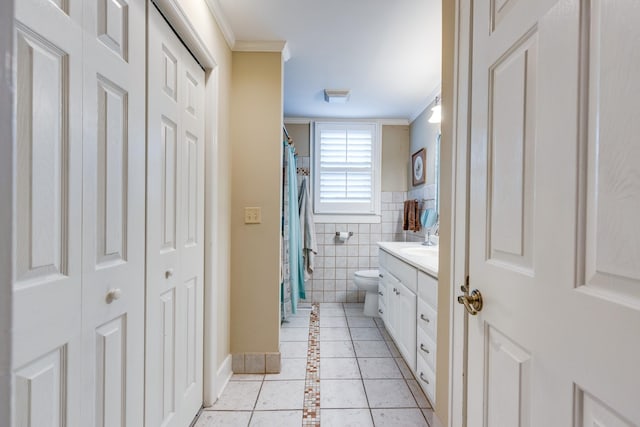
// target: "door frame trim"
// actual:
[[7, 168], [214, 379], [457, 171]]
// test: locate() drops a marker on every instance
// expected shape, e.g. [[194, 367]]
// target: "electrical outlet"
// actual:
[[252, 215]]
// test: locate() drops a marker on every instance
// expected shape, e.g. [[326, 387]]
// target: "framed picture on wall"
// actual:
[[418, 166]]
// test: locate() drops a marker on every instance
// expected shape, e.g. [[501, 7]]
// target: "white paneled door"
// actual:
[[175, 226], [79, 283], [555, 196], [113, 213]]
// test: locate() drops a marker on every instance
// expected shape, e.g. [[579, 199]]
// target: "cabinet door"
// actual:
[[405, 300], [392, 319]]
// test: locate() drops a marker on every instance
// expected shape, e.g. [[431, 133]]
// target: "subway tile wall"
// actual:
[[336, 262], [425, 192]]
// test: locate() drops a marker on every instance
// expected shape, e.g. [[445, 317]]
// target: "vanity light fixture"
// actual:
[[436, 116], [334, 96]]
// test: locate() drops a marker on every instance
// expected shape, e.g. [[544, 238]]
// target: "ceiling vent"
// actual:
[[333, 96]]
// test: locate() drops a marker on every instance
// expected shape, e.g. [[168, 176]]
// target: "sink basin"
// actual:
[[420, 251]]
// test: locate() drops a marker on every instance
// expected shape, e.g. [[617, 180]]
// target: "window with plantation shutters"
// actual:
[[346, 168]]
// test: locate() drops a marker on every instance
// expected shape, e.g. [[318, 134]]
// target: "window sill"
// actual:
[[346, 219]]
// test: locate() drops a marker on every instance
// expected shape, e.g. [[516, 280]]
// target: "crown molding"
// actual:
[[223, 23], [308, 120], [260, 46]]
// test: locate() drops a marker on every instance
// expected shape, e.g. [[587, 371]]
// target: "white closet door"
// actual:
[[113, 213], [47, 281], [175, 225]]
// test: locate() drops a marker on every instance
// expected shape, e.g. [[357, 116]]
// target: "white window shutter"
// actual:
[[345, 168]]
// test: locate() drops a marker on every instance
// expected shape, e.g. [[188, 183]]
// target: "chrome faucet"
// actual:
[[431, 230]]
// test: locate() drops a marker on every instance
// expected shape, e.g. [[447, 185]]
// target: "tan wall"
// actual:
[[395, 158], [256, 132], [447, 172], [300, 135]]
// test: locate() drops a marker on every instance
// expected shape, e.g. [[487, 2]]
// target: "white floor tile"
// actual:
[[353, 305], [334, 334], [342, 394], [365, 334], [346, 418], [337, 349], [296, 322], [281, 395], [238, 396], [325, 305], [332, 312], [276, 418], [339, 368], [393, 349], [361, 322], [291, 369], [294, 334], [223, 419], [371, 349], [418, 394], [293, 349], [380, 368], [333, 322], [406, 371], [389, 394], [398, 417], [247, 377], [355, 312]]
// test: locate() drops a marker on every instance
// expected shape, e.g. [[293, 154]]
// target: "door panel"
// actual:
[[554, 184], [113, 212], [175, 224], [47, 282]]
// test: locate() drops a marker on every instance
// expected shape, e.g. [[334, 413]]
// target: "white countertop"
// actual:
[[424, 258]]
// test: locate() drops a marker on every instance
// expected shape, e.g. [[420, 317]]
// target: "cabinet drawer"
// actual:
[[426, 349], [405, 273], [428, 289], [427, 380], [427, 319]]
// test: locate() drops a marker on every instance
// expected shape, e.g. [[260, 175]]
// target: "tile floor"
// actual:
[[363, 380]]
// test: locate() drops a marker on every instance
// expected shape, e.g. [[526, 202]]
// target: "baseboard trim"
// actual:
[[256, 363], [223, 375]]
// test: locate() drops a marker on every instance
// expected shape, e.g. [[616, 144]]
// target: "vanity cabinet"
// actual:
[[408, 305], [426, 338], [398, 304]]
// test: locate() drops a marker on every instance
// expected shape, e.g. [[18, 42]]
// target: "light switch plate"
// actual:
[[252, 215]]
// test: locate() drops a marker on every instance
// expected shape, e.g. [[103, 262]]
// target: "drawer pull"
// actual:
[[380, 275], [423, 378], [380, 311], [423, 317], [423, 348], [380, 293]]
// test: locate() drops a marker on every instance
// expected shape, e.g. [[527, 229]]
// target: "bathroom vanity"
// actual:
[[408, 302]]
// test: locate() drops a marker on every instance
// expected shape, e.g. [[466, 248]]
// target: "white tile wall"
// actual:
[[336, 262]]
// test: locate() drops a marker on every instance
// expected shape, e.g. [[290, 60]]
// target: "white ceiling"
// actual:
[[388, 53]]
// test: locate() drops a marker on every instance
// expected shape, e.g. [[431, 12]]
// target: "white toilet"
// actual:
[[367, 280]]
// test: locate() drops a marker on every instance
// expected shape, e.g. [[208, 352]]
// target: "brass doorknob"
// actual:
[[472, 301]]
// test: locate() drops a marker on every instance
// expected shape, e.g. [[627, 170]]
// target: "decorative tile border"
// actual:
[[311, 408]]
